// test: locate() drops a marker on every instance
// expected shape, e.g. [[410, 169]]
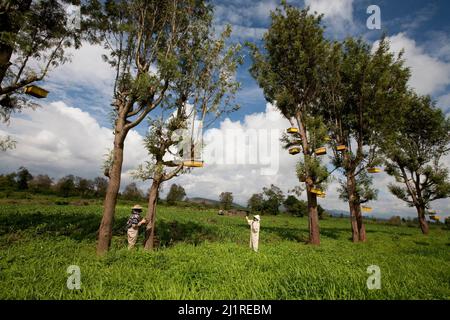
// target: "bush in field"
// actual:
[[176, 193], [226, 200], [395, 221], [295, 206], [132, 192]]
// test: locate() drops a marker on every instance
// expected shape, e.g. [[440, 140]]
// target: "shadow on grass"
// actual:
[[170, 232], [421, 243], [77, 226]]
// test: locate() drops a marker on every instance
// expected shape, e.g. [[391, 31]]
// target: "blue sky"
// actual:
[[71, 133], [427, 22]]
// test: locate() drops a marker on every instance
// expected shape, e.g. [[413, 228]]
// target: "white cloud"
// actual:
[[429, 74], [85, 67], [443, 102], [338, 14], [60, 140]]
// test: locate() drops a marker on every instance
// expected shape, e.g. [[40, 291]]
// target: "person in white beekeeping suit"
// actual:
[[254, 231]]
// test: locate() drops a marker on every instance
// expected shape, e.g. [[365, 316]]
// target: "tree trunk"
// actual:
[[422, 221], [360, 224], [313, 218], [149, 241], [109, 205], [351, 190]]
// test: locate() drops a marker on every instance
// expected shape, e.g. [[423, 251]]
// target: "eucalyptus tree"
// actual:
[[289, 69], [146, 41], [160, 142], [413, 151], [203, 91], [362, 92]]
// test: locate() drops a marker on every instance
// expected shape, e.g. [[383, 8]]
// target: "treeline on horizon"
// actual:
[[271, 201]]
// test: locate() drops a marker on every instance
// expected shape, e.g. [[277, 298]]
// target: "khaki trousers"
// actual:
[[132, 237]]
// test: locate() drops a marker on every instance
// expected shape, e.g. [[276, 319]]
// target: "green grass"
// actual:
[[206, 256]]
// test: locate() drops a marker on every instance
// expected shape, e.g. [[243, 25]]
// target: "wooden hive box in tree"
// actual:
[[36, 91], [193, 163], [318, 192], [366, 209], [292, 130], [320, 151], [374, 170], [341, 148], [294, 150]]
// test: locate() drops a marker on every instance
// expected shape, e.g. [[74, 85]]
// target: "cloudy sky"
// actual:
[[71, 132]]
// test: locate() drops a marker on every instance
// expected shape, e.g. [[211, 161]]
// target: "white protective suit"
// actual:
[[254, 233]]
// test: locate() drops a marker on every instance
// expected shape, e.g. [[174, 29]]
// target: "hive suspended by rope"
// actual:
[[292, 130], [318, 192], [294, 150], [374, 170], [320, 151], [366, 209], [36, 91], [341, 147], [193, 147]]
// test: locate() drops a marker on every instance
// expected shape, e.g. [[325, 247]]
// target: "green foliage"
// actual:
[[290, 70], [226, 200], [414, 148], [273, 199], [176, 194], [38, 34], [256, 203], [23, 177], [132, 192], [295, 206], [363, 190], [313, 168], [294, 41], [208, 255], [66, 186]]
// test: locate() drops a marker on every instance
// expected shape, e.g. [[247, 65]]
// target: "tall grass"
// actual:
[[206, 256]]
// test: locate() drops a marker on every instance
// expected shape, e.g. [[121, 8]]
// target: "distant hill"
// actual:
[[210, 202]]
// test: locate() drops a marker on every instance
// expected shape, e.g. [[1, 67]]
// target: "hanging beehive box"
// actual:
[[366, 209], [341, 148], [318, 192], [294, 150], [36, 91], [374, 170], [193, 163], [320, 151], [292, 130]]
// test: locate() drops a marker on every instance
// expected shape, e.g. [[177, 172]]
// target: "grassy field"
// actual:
[[205, 256]]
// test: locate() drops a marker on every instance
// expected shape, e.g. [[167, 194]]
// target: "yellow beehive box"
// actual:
[[294, 151], [193, 163], [320, 151], [341, 148], [292, 130], [36, 91], [374, 170], [366, 209]]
